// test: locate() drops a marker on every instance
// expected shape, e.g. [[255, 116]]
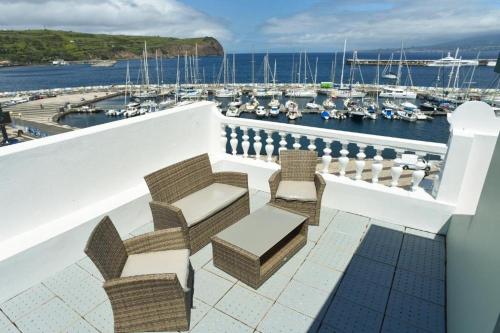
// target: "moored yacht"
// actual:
[[396, 92], [450, 61]]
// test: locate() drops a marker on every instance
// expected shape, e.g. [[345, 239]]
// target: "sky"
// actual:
[[266, 25]]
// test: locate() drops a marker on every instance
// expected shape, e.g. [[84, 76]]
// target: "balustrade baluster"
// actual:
[[257, 145], [377, 164], [245, 145], [296, 144], [269, 146], [326, 159], [343, 159], [396, 169], [419, 172], [223, 138], [360, 161], [234, 139], [282, 142], [312, 146]]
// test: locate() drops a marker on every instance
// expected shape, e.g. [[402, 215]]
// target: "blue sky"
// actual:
[[267, 25]]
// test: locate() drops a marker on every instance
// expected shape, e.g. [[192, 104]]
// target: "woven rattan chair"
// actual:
[[203, 203], [148, 278], [297, 186]]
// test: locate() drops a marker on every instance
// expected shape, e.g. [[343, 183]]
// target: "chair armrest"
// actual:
[[320, 183], [161, 240], [239, 179], [143, 289], [274, 182], [167, 216]]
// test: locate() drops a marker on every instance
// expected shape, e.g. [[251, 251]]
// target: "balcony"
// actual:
[[377, 257]]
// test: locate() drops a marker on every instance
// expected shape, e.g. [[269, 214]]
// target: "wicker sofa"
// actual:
[[203, 203], [148, 278], [296, 185]]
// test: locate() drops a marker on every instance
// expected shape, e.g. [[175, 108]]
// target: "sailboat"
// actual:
[[396, 91], [302, 91], [387, 72], [347, 91], [225, 92], [145, 90]]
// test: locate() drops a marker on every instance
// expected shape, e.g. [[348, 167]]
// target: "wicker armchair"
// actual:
[[203, 203], [148, 278], [297, 186]]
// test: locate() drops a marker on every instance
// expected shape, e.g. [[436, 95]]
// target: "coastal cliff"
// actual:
[[24, 47]]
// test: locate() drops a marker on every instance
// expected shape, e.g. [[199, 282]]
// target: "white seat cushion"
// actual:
[[296, 190], [160, 262], [201, 204]]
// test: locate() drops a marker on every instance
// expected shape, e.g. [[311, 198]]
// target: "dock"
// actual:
[[413, 62]]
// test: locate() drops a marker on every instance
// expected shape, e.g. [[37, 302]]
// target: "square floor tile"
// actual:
[[346, 316], [244, 305], [26, 302], [338, 260], [6, 326], [198, 311], [81, 326], [326, 216], [272, 288], [281, 319], [209, 287], [381, 236], [423, 246], [349, 223], [202, 257], [337, 241], [90, 267], [416, 312], [53, 316], [427, 288], [363, 292], [393, 325], [318, 276], [304, 299], [371, 270], [77, 288], [291, 266], [387, 225], [425, 234], [218, 322], [217, 271], [381, 253], [102, 317], [433, 267]]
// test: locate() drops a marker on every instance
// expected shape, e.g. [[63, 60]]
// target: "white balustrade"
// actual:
[[223, 138], [296, 144], [245, 145], [343, 159], [360, 161], [257, 145], [234, 139], [377, 164], [326, 159], [311, 146], [282, 141], [419, 172], [396, 169], [269, 146]]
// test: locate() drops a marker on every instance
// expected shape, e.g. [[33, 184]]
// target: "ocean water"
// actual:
[[47, 76]]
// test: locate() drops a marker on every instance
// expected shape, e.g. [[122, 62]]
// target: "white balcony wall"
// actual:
[[473, 269]]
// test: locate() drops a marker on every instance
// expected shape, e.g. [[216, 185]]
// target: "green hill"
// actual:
[[42, 46]]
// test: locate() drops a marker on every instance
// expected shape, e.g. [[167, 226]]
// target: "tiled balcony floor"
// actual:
[[355, 274]]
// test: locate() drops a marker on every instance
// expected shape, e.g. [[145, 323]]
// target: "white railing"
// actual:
[[293, 135]]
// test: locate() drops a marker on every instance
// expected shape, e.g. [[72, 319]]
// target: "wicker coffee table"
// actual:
[[256, 246]]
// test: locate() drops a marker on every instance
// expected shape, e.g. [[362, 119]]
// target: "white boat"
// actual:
[[232, 111], [274, 111], [261, 111], [226, 93], [130, 112], [405, 115], [390, 105], [409, 106], [450, 61], [237, 102], [111, 113], [396, 92], [312, 105], [265, 92], [370, 114], [301, 92], [328, 103], [420, 115], [292, 110], [387, 72], [252, 104], [274, 103], [346, 92], [388, 113]]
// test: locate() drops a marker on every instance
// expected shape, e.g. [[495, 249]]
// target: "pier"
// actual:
[[412, 62]]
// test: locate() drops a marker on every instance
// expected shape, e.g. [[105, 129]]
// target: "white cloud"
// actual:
[[138, 17], [383, 23]]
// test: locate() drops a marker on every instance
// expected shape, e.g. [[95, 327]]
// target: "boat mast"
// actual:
[[343, 63], [127, 80], [400, 66], [157, 70], [316, 72], [146, 69], [378, 75], [274, 74], [452, 69], [472, 75], [177, 79], [300, 68], [293, 67], [234, 71], [305, 68], [253, 69]]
